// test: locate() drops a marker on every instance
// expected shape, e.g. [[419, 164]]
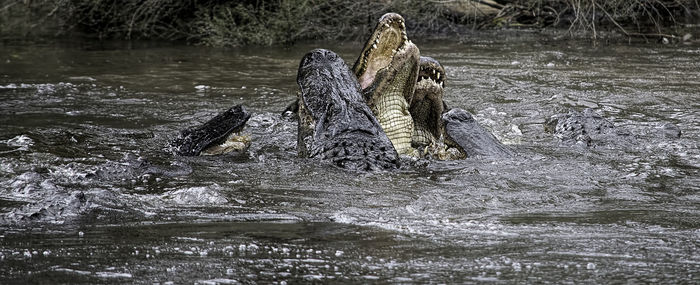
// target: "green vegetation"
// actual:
[[251, 22]]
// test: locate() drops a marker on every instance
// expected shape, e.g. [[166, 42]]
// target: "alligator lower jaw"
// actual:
[[388, 39], [390, 97], [392, 113]]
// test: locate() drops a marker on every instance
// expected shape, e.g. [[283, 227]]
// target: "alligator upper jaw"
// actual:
[[431, 73], [388, 38], [399, 75]]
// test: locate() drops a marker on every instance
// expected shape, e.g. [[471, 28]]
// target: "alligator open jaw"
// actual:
[[431, 71], [388, 37], [387, 69], [427, 104]]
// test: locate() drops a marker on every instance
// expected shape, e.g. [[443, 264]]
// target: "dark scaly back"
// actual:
[[335, 124]]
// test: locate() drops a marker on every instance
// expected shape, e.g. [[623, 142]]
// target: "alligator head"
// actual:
[[335, 123], [427, 105], [387, 69], [219, 135], [469, 137], [443, 133]]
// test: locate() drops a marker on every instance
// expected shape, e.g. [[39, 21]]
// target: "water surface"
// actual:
[[88, 193]]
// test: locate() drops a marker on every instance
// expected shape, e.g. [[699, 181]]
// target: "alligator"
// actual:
[[442, 132], [471, 138], [219, 135], [387, 70], [335, 123], [411, 111], [390, 104], [585, 128], [427, 104]]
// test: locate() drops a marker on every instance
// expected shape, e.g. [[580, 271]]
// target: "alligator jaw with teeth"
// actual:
[[389, 104], [387, 70], [388, 36], [427, 105]]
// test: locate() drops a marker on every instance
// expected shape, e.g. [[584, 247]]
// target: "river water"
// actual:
[[88, 193]]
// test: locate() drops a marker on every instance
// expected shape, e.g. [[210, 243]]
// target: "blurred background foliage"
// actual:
[[256, 22]]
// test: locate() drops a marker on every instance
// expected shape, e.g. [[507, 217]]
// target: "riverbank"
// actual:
[[221, 23]]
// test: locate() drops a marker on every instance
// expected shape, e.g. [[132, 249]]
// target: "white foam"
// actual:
[[21, 141], [113, 275], [203, 195], [217, 281]]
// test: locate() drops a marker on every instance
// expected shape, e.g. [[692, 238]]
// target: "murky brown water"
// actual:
[[81, 123]]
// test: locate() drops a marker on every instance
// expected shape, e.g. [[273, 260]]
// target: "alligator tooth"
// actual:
[[442, 84], [438, 75], [433, 71], [374, 45]]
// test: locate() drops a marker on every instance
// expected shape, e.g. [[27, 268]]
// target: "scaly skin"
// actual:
[[335, 123], [587, 128], [404, 93], [217, 136], [387, 70]]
